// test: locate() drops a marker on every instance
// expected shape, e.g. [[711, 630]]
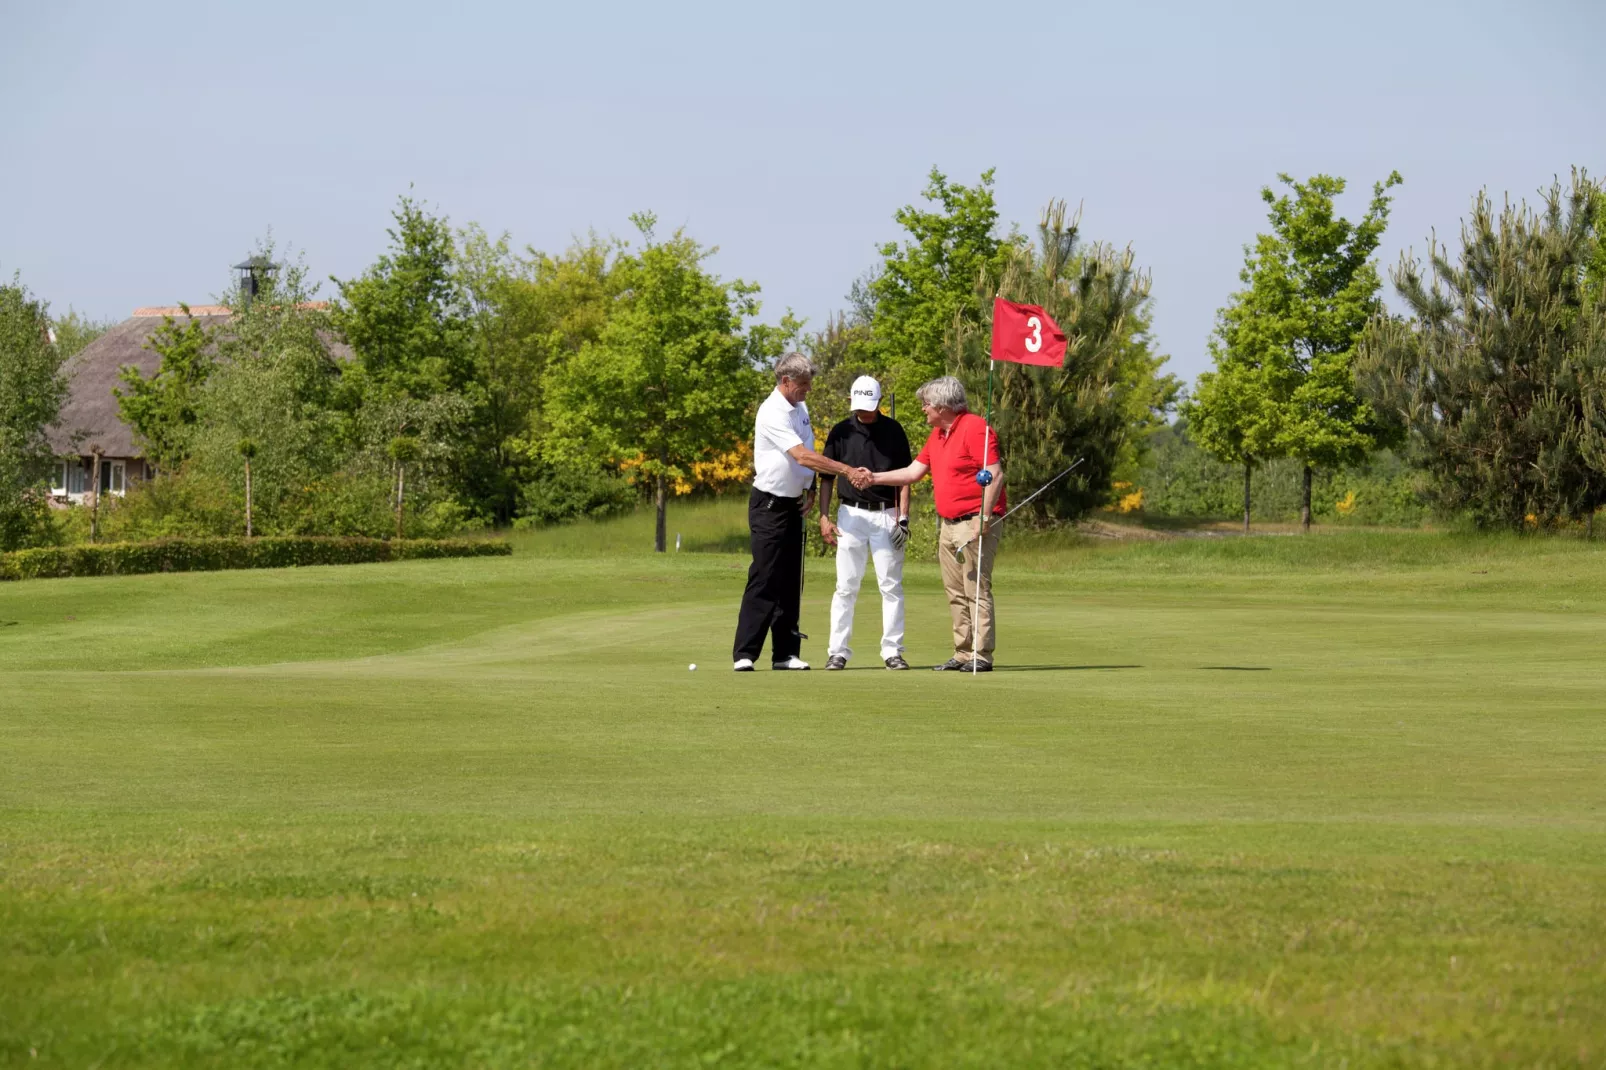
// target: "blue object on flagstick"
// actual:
[[984, 477]]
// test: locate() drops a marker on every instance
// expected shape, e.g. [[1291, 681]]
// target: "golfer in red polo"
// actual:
[[961, 445]]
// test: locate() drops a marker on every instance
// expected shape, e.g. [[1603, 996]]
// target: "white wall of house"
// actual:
[[69, 480]]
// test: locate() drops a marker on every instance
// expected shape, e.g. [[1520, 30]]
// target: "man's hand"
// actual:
[[861, 478], [808, 502], [900, 534], [827, 531], [983, 526]]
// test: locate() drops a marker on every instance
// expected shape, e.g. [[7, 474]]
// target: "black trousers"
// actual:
[[774, 581]]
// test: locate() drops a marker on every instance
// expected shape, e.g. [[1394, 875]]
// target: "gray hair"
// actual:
[[794, 366], [944, 393]]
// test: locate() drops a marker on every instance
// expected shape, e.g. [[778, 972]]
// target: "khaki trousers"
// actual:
[[959, 580]]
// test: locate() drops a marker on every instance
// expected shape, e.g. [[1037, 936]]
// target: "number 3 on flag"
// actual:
[[1025, 334]]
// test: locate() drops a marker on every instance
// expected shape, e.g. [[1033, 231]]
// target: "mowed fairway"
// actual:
[[1334, 801]]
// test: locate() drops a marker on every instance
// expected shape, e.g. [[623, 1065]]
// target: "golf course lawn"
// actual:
[[1326, 801]]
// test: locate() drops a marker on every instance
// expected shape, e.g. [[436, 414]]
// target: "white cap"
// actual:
[[866, 394]]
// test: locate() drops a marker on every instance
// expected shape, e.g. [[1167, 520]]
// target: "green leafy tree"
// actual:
[[671, 379], [1596, 271], [74, 331], [529, 314], [162, 409], [927, 284], [274, 384], [1499, 373], [407, 318], [1233, 417], [1311, 288], [32, 390]]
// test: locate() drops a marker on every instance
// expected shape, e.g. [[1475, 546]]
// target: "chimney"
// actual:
[[255, 274]]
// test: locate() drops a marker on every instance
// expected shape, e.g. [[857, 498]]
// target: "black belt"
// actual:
[[962, 519], [874, 507], [770, 499]]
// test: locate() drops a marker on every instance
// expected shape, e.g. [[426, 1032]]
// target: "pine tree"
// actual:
[[1109, 391], [1500, 371]]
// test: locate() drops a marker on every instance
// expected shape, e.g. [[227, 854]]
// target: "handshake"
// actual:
[[860, 478]]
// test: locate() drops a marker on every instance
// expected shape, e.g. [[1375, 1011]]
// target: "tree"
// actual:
[[404, 451], [407, 318], [274, 383], [529, 314], [1233, 417], [1311, 288], [671, 379], [928, 283], [74, 331], [161, 410], [32, 390], [1499, 373], [1105, 397], [248, 450]]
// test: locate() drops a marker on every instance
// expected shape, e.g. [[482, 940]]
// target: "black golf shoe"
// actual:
[[835, 662], [952, 665], [897, 662]]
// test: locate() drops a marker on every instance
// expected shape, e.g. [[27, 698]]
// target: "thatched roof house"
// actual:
[[90, 421]]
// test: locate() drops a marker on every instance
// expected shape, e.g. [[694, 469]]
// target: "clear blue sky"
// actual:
[[148, 146]]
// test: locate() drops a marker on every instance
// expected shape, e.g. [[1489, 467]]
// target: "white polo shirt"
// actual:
[[780, 426]]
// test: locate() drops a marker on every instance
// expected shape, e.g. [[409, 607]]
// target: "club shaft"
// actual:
[[1041, 489]]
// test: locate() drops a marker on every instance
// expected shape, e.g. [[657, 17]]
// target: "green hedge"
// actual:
[[209, 555]]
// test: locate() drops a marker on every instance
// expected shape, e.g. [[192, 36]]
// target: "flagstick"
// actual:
[[981, 520]]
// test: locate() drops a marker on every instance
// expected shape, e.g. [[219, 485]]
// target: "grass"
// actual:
[[1335, 801]]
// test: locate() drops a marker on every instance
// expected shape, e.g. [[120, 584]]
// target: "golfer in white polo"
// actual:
[[872, 523]]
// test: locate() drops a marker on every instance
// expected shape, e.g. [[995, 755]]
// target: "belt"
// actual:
[[770, 499], [961, 519], [872, 507]]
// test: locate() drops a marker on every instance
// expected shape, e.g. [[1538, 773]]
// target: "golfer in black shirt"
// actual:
[[873, 522]]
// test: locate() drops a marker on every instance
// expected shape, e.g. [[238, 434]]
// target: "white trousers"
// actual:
[[863, 533]]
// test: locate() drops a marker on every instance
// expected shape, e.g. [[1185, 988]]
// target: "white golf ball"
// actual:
[[692, 666]]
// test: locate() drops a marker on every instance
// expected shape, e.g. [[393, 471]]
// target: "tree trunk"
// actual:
[[1249, 470], [1304, 504], [661, 502], [94, 499], [1589, 523], [401, 491], [248, 497]]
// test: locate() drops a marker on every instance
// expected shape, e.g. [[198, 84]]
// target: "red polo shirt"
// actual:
[[954, 457]]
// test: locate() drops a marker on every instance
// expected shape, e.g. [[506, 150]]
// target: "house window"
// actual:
[[58, 479], [77, 478], [111, 477]]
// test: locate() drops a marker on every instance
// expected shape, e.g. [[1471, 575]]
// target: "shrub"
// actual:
[[568, 493], [206, 555]]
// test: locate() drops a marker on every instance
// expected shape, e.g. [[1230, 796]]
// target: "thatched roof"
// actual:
[[89, 419]]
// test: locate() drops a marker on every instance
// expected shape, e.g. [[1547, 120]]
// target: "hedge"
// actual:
[[208, 555]]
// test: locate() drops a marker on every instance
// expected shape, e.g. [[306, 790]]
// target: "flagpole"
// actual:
[[981, 518]]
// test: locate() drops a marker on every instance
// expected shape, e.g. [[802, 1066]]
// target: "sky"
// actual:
[[145, 148]]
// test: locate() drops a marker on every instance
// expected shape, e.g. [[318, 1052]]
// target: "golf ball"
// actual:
[[692, 666]]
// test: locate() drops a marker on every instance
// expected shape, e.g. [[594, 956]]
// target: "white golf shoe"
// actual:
[[793, 662], [743, 665]]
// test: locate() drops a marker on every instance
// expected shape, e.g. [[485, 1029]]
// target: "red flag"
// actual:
[[1025, 334]]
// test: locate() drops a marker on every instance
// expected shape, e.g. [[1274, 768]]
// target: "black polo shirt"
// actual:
[[879, 446]]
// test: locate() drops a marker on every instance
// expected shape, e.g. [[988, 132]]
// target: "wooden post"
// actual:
[[94, 501], [1249, 470], [248, 497], [660, 502]]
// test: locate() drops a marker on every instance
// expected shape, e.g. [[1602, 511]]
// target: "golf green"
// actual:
[[1324, 801]]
